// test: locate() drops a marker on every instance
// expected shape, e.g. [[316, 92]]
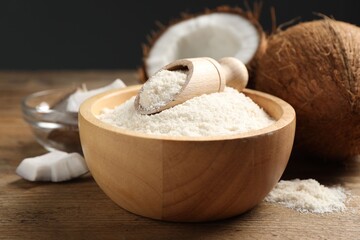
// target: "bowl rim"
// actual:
[[29, 111], [85, 112]]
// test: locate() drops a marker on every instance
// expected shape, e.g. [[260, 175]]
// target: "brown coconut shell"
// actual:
[[252, 15], [315, 66]]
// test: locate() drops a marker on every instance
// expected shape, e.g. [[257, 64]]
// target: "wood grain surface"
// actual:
[[78, 209]]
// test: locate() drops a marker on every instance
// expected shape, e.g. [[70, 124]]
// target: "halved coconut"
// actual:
[[221, 32]]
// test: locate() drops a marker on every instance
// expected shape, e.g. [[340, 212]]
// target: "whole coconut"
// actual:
[[315, 66]]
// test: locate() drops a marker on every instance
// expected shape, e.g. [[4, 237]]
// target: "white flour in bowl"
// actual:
[[221, 113], [161, 88], [308, 195]]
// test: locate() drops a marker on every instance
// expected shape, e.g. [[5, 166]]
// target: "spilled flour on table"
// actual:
[[308, 196]]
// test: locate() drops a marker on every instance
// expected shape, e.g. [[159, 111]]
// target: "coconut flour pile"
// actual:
[[308, 196], [161, 88], [221, 113]]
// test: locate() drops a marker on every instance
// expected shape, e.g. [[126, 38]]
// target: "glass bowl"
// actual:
[[53, 127]]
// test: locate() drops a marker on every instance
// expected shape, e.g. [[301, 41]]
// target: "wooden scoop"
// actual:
[[204, 75]]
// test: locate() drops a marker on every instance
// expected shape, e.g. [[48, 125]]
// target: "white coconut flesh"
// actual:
[[214, 35]]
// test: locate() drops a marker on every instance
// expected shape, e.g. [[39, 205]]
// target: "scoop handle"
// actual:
[[236, 73]]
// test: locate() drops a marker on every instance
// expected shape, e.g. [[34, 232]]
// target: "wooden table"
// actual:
[[78, 209]]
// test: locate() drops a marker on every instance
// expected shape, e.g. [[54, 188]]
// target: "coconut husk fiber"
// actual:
[[315, 66]]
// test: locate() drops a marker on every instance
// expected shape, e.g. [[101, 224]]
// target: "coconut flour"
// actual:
[[161, 88], [220, 113], [308, 196]]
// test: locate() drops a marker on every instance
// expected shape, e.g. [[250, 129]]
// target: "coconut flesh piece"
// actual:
[[214, 35], [77, 98], [54, 166]]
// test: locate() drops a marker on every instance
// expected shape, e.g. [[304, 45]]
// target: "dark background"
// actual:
[[109, 34]]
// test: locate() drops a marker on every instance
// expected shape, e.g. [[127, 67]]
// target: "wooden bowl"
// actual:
[[185, 179]]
